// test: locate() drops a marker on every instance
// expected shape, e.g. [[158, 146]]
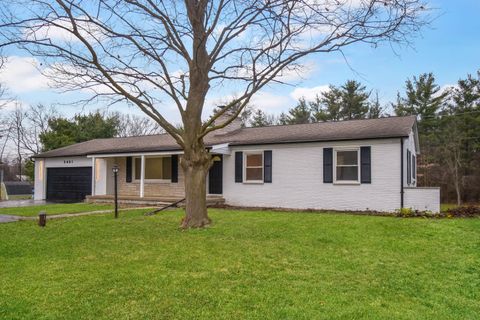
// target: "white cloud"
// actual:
[[300, 73], [308, 93], [7, 105], [270, 102], [20, 74]]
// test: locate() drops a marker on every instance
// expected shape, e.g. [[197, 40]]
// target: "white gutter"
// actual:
[[221, 148], [137, 154]]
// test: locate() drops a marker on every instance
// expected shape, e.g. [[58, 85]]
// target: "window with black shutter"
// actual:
[[414, 168], [327, 165], [238, 166], [267, 166], [409, 164], [174, 168], [366, 165], [128, 170]]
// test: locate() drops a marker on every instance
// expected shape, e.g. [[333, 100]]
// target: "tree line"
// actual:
[[25, 131], [448, 126]]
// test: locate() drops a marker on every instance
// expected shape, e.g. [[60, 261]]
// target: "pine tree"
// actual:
[[282, 119], [355, 103], [300, 114], [261, 119], [457, 139], [328, 106], [375, 110], [424, 99]]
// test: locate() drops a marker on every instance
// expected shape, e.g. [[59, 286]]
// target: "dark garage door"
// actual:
[[69, 184]]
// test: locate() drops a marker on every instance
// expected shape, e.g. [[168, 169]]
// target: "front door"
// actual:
[[215, 176]]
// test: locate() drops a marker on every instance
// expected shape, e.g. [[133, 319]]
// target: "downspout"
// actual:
[[401, 173]]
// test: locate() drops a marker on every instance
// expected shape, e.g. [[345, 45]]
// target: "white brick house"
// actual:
[[348, 165]]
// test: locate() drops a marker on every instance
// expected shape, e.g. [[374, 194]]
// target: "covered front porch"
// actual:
[[153, 178], [212, 200]]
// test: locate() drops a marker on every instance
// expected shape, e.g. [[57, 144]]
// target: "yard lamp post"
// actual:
[[115, 188]]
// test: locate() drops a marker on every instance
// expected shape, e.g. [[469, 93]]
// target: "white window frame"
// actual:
[[137, 179], [245, 154], [335, 181]]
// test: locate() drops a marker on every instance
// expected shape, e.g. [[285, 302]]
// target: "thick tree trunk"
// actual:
[[195, 165]]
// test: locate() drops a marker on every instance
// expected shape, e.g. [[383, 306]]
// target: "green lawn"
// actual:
[[249, 265], [55, 209]]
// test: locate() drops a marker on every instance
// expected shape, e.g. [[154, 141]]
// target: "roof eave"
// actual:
[[317, 140]]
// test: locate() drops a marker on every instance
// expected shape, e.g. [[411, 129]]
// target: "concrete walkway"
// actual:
[[9, 218], [4, 218], [22, 203]]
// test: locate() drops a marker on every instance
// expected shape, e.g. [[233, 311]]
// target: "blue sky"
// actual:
[[450, 48]]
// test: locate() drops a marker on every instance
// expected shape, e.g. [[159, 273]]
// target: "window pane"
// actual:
[[137, 168], [347, 157], [167, 168], [347, 173], [254, 160], [254, 174], [153, 168]]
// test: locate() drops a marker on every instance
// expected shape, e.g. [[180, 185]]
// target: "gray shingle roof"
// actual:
[[323, 131]]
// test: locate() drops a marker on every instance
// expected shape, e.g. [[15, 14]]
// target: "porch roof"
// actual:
[[390, 127]]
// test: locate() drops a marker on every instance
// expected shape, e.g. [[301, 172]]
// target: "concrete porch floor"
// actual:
[[130, 200]]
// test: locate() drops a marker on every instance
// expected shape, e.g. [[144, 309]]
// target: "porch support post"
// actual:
[[93, 175], [142, 177]]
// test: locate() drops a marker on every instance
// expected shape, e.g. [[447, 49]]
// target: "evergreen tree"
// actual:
[[328, 106], [261, 119], [300, 114], [282, 119], [399, 107], [457, 140], [355, 103], [375, 109], [466, 105], [347, 102], [424, 99]]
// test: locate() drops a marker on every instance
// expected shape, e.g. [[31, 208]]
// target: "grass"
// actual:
[[59, 208], [249, 265]]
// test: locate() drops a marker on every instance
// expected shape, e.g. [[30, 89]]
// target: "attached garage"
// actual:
[[69, 184]]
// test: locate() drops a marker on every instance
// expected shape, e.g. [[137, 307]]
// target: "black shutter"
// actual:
[[128, 171], [267, 166], [414, 167], [239, 166], [327, 165], [409, 164], [174, 168], [365, 165]]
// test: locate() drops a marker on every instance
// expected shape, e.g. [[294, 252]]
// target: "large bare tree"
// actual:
[[148, 52]]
